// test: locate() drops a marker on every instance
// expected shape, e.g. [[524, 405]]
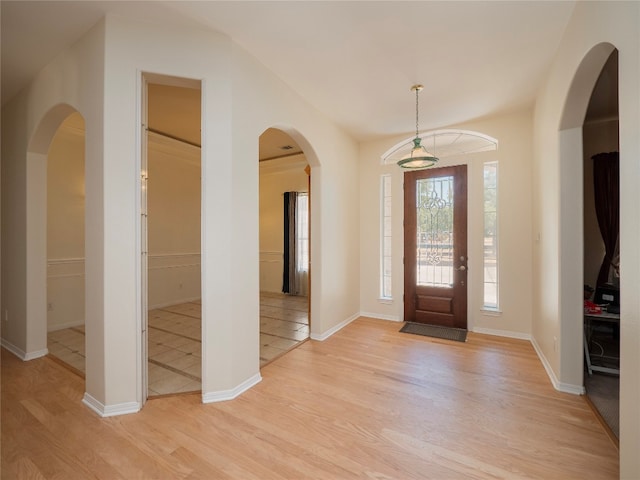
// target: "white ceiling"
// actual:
[[354, 61]]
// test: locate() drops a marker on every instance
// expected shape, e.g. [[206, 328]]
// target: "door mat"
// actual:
[[447, 333]]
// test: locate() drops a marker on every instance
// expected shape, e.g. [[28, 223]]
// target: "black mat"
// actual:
[[457, 334], [604, 392]]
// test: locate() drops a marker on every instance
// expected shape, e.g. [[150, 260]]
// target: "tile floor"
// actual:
[[68, 346], [284, 324], [175, 348]]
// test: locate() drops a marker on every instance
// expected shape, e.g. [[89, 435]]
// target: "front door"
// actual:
[[435, 246]]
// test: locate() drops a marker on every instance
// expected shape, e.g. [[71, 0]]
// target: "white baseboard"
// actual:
[[323, 336], [391, 318], [110, 410], [21, 354], [224, 395], [502, 333], [557, 384]]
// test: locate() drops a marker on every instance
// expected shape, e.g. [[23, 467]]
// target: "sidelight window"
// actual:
[[385, 237], [490, 237]]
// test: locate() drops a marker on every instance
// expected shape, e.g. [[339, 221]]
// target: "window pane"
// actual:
[[434, 204], [387, 266], [491, 295], [385, 236], [490, 175], [302, 232], [387, 207], [490, 237]]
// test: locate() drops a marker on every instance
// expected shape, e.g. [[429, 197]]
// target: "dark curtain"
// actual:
[[289, 270], [606, 183]]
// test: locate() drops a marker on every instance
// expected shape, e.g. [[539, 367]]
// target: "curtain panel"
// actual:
[[606, 184], [289, 270]]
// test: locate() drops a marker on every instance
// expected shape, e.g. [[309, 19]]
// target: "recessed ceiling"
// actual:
[[276, 144], [354, 61]]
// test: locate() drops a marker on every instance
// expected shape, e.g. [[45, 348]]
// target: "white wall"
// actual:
[[513, 133], [593, 31], [133, 48], [261, 101], [72, 82], [276, 178], [240, 100], [100, 76]]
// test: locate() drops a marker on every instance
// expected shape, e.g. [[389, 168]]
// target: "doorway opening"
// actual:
[[601, 261], [65, 186], [285, 202], [171, 236]]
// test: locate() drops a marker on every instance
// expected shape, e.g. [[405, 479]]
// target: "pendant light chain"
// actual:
[[417, 93], [418, 157]]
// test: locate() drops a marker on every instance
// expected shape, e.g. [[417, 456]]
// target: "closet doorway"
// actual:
[[285, 204], [170, 234]]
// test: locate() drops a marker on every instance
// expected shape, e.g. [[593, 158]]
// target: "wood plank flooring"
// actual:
[[369, 402]]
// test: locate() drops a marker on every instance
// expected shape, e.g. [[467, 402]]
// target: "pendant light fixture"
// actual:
[[419, 157]]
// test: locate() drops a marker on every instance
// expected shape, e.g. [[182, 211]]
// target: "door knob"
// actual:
[[461, 268]]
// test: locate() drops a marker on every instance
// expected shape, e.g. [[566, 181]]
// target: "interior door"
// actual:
[[435, 246]]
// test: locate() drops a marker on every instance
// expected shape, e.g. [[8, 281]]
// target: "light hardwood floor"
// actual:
[[369, 402]]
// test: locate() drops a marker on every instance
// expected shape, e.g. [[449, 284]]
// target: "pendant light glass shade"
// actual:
[[418, 157]]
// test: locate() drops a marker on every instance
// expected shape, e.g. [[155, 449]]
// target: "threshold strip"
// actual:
[[174, 333], [283, 320], [177, 313], [175, 370]]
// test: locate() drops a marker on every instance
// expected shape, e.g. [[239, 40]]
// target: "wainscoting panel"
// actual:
[[65, 293], [173, 279], [271, 267]]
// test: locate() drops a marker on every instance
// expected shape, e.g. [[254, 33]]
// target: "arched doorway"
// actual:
[[36, 225], [65, 185], [601, 221], [284, 244], [574, 148]]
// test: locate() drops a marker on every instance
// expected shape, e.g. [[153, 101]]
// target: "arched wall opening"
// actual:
[[601, 263], [315, 175], [65, 201], [571, 224], [36, 226], [315, 226], [284, 199]]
